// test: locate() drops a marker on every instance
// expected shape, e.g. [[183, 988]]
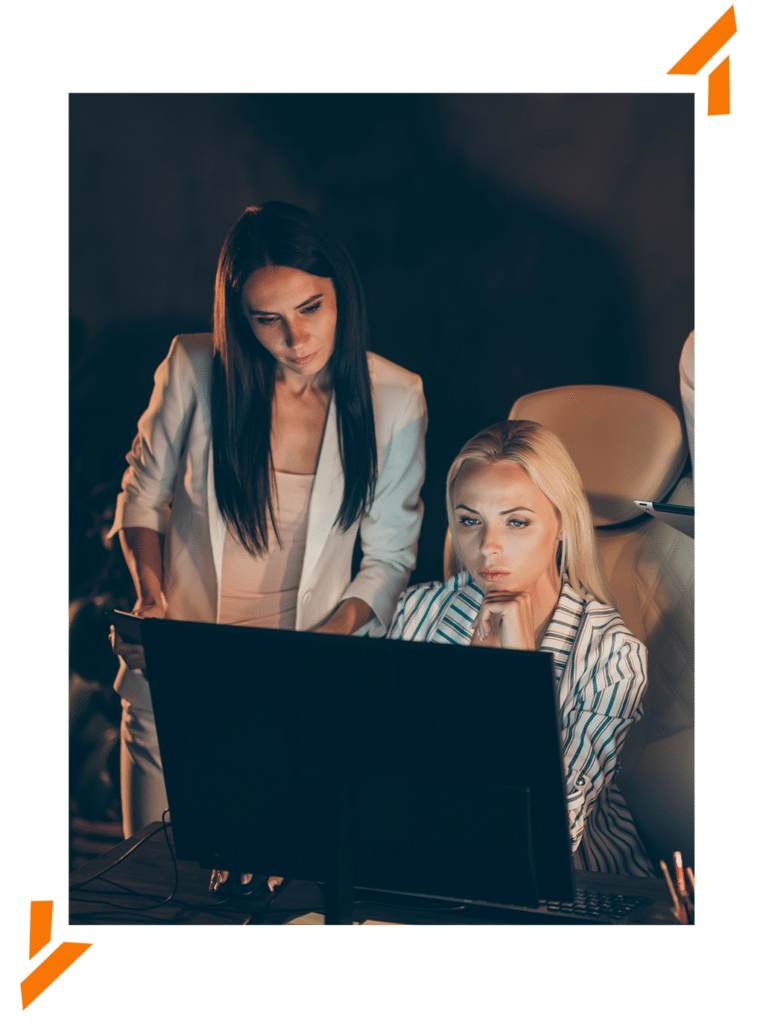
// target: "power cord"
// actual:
[[133, 892]]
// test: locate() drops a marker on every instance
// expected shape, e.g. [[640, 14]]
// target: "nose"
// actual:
[[491, 541], [297, 334]]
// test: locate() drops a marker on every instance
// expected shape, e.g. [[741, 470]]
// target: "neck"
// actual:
[[299, 385]]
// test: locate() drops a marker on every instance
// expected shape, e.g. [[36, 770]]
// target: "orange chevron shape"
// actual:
[[50, 969], [40, 925], [707, 46], [719, 89], [60, 960]]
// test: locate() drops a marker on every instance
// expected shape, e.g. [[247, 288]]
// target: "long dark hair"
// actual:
[[243, 371]]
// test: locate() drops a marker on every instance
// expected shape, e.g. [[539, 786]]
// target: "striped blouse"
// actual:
[[600, 672]]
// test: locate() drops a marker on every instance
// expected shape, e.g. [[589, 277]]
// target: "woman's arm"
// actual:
[[601, 706], [349, 616], [142, 548], [148, 485], [389, 532], [149, 480]]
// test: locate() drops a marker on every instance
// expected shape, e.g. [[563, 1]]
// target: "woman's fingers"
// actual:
[[513, 618], [149, 609], [133, 654], [495, 602]]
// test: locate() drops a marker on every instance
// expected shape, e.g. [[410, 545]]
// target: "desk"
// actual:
[[145, 867]]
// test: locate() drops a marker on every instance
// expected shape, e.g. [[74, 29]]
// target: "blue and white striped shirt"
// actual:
[[600, 672]]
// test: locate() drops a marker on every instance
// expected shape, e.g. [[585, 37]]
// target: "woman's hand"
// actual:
[[348, 616], [133, 654], [511, 615]]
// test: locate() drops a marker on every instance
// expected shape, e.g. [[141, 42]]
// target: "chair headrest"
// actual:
[[626, 444]]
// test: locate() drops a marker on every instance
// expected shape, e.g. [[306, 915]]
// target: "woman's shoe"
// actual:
[[235, 887]]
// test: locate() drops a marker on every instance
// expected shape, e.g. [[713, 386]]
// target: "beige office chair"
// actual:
[[626, 445]]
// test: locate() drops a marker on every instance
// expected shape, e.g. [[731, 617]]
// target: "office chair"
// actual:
[[627, 444]]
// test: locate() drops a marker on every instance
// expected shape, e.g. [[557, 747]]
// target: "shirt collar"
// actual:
[[563, 627]]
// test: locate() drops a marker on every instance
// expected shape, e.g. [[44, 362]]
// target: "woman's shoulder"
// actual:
[[190, 359], [386, 374], [604, 626], [198, 348]]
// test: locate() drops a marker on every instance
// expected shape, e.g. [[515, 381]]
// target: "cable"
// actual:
[[149, 896], [162, 827], [73, 888], [144, 912]]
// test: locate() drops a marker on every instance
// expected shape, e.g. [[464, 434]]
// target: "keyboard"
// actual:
[[588, 907], [595, 908]]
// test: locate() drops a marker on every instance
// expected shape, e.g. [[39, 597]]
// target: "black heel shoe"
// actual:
[[256, 886]]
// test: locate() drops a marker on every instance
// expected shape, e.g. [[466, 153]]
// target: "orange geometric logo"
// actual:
[[719, 79], [60, 960]]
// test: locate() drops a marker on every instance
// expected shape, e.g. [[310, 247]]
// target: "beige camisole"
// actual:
[[263, 591]]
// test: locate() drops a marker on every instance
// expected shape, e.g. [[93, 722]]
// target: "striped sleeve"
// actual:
[[437, 612], [609, 666], [417, 611]]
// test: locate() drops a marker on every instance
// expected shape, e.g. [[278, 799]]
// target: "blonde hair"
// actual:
[[548, 464]]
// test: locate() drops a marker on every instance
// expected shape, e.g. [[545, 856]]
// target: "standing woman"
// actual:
[[531, 579], [265, 448]]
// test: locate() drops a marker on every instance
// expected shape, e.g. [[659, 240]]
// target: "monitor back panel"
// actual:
[[438, 764]]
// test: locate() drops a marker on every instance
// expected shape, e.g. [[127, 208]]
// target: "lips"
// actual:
[[491, 575], [299, 360]]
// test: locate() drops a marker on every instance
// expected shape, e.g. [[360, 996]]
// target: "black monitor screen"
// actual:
[[436, 767]]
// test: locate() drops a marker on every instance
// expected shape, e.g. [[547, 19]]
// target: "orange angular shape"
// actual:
[[707, 46], [51, 968], [40, 925], [719, 89]]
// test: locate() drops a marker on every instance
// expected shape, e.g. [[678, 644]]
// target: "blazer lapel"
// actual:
[[326, 497]]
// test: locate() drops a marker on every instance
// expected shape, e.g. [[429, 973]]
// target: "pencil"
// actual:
[[683, 894], [680, 880], [678, 908], [690, 876]]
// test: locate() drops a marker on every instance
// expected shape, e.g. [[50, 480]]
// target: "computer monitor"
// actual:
[[409, 767]]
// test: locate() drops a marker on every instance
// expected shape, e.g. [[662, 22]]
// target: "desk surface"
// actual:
[[140, 875]]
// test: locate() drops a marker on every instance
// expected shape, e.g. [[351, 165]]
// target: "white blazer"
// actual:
[[169, 487]]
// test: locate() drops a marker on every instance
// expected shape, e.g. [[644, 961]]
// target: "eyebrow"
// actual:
[[264, 312], [519, 508]]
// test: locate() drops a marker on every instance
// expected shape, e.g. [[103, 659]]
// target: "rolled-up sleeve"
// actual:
[[389, 532], [596, 718], [149, 480]]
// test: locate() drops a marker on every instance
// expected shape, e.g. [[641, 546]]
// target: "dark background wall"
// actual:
[[507, 243]]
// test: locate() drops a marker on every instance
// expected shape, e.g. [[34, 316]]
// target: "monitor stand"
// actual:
[[337, 886]]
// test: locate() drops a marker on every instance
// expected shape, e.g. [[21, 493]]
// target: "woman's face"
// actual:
[[293, 316], [507, 529]]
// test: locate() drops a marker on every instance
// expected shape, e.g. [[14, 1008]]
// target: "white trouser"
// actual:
[[144, 797]]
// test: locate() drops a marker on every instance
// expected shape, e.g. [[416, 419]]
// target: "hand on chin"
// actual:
[[510, 613]]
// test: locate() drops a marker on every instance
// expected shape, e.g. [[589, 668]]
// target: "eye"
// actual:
[[517, 524], [312, 309], [467, 521], [265, 320]]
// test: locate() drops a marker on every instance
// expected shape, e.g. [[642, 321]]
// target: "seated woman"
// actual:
[[522, 534]]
